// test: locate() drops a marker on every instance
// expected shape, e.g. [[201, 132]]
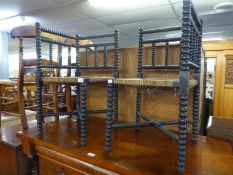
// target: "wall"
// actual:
[[160, 103], [223, 97], [4, 67]]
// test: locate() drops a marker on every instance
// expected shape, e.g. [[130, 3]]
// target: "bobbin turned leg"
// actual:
[[77, 99], [108, 133], [184, 95], [196, 90], [140, 75], [184, 84], [39, 84], [195, 113], [182, 134], [116, 96], [138, 106], [39, 114], [83, 115], [77, 74], [115, 73]]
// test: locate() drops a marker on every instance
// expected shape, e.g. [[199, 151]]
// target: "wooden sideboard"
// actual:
[[12, 160], [145, 152]]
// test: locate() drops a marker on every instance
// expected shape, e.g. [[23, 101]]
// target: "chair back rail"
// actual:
[[189, 40]]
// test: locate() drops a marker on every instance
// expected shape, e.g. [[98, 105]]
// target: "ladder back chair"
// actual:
[[28, 69], [190, 61], [109, 41], [61, 41], [12, 91]]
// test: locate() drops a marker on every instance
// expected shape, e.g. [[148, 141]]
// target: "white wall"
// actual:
[[4, 66]]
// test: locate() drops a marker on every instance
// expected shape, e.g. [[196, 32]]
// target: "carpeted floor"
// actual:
[[8, 120]]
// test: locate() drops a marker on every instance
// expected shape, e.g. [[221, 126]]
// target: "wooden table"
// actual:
[[145, 152], [12, 160], [5, 83]]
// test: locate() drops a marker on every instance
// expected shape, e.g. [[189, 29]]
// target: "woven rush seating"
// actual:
[[74, 80], [152, 82]]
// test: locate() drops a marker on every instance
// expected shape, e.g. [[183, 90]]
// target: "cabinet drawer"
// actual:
[[50, 167], [52, 162]]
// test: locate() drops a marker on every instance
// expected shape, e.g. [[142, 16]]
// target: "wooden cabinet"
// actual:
[[143, 152], [7, 160], [12, 160], [52, 162], [51, 167]]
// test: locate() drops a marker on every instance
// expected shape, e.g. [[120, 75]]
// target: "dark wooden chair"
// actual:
[[18, 95], [189, 69], [51, 94], [55, 97], [77, 80]]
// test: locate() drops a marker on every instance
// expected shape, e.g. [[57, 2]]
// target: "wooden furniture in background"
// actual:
[[229, 70], [12, 160], [50, 102], [12, 99], [17, 86], [223, 94], [29, 32], [221, 128], [133, 152]]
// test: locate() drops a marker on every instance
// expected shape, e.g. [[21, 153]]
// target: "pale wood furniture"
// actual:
[[21, 33], [18, 87]]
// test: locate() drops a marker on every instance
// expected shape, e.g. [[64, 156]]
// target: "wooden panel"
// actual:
[[51, 167], [7, 161], [12, 160], [228, 103], [155, 103], [218, 45], [219, 87], [52, 162], [229, 70], [223, 95]]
